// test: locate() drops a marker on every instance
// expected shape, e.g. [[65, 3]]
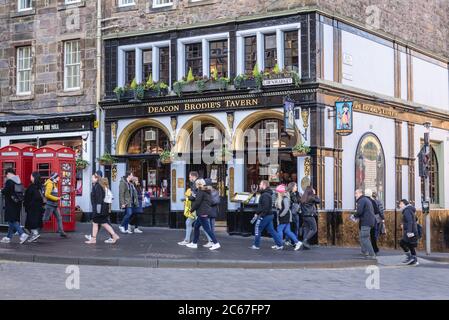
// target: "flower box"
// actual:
[[246, 84], [299, 154]]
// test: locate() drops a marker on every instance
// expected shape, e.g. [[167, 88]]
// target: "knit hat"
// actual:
[[54, 175], [99, 173], [281, 188]]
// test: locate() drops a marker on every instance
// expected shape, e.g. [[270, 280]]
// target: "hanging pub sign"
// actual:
[[343, 118], [289, 116]]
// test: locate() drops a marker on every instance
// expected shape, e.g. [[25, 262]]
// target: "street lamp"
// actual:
[[426, 196]]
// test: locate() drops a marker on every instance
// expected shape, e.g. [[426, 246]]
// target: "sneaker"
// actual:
[[287, 243], [5, 240], [111, 240], [413, 261], [137, 230], [277, 247], [408, 258], [215, 246], [131, 228], [208, 245], [306, 245], [88, 237], [192, 245], [183, 243], [34, 238], [371, 257], [254, 247], [24, 237], [63, 235], [298, 246], [122, 229]]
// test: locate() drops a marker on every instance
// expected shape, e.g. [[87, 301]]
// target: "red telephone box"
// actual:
[[60, 159], [18, 157]]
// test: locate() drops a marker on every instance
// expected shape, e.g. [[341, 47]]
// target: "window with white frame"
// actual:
[[267, 47], [24, 70], [72, 65], [24, 5], [162, 3], [139, 61], [124, 3], [204, 55]]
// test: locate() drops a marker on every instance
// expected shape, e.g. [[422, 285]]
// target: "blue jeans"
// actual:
[[285, 228], [127, 217], [14, 226], [205, 223], [295, 218], [266, 223]]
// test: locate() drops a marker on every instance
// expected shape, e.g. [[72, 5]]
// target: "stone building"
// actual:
[[48, 77]]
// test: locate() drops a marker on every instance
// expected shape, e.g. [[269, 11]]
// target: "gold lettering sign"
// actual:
[[369, 108], [209, 105]]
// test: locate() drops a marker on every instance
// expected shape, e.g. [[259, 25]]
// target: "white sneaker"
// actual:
[[254, 247], [277, 248], [24, 237], [34, 237], [208, 245], [192, 245], [215, 246], [5, 240], [88, 237], [298, 246], [131, 228], [129, 231], [122, 229], [137, 230], [183, 243]]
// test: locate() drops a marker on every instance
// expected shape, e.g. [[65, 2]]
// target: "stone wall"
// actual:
[[338, 229], [423, 23], [45, 28]]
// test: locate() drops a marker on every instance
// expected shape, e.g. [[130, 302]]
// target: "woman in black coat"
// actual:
[[309, 201], [34, 206]]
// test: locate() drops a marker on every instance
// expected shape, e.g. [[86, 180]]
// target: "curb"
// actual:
[[434, 258], [186, 263]]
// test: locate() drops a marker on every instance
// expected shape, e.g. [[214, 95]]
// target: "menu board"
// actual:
[[67, 174]]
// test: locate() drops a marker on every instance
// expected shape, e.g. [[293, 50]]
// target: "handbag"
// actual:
[[383, 229], [146, 202]]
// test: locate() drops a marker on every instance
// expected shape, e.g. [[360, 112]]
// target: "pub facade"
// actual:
[[243, 75]]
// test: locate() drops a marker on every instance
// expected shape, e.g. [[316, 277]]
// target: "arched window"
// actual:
[[148, 140], [284, 170], [370, 166], [434, 181]]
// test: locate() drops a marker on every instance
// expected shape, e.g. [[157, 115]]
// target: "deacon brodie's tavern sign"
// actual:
[[204, 106]]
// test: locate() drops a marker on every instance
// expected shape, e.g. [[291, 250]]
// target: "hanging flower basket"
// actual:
[[106, 160], [300, 150], [81, 164], [166, 157]]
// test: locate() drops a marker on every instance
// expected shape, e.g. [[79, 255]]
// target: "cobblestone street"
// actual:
[[48, 281]]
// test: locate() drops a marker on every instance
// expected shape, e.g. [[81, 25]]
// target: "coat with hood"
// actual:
[[265, 206], [202, 203], [51, 193], [284, 212], [12, 208], [308, 209], [34, 206], [409, 224], [126, 195]]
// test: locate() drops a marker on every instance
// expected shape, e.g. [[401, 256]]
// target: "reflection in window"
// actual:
[[270, 55], [130, 66], [149, 140], [218, 57], [147, 64], [164, 65], [433, 175], [194, 59], [370, 166], [291, 57], [250, 53]]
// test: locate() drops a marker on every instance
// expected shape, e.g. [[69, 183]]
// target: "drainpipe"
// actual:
[[98, 115]]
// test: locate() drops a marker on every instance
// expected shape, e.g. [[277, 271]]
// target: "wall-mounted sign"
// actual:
[[289, 116], [343, 118], [41, 127], [277, 82], [369, 108]]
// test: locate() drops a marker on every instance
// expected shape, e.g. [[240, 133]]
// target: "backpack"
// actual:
[[19, 193], [214, 198]]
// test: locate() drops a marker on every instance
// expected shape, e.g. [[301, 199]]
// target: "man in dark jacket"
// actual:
[[265, 216], [409, 240], [365, 215], [13, 206]]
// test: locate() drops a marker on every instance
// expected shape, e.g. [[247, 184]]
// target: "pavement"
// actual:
[[158, 248]]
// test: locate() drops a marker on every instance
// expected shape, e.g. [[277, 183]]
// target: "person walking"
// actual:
[[203, 210], [410, 231], [295, 199], [380, 218], [283, 205], [264, 217], [101, 216], [14, 194], [377, 223], [365, 215], [309, 201], [134, 222], [214, 206], [52, 202], [34, 206], [128, 200]]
